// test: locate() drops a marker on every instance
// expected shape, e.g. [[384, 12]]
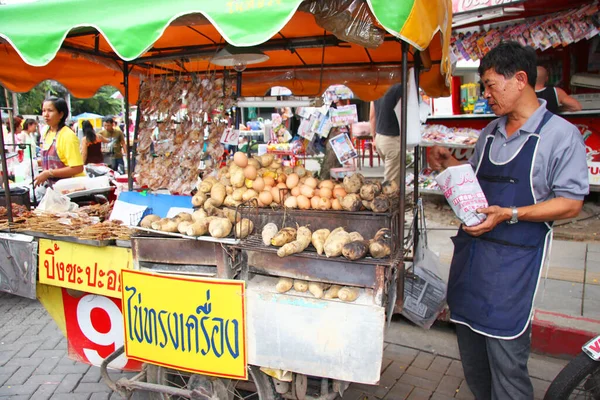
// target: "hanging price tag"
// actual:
[[230, 136]]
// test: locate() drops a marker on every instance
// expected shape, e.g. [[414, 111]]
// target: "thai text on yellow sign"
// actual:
[[86, 268], [189, 324]]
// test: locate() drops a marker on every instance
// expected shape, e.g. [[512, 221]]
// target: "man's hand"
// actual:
[[438, 157], [495, 215], [42, 177]]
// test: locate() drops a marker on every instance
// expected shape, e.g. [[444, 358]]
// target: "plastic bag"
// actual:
[[413, 116], [53, 202], [425, 290], [348, 20]]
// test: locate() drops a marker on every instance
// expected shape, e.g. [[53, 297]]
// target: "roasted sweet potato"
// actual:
[[286, 235]]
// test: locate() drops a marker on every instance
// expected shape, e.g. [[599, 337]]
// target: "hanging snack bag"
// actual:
[[462, 191]]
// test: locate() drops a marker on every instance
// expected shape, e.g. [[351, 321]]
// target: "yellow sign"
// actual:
[[89, 269], [194, 325]]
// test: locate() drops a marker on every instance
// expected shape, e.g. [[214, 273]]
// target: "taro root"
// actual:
[[352, 184], [380, 204], [370, 191], [351, 202], [355, 250]]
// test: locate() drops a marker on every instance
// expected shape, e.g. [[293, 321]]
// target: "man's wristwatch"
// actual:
[[515, 216]]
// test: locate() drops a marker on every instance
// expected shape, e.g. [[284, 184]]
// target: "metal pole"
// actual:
[[126, 100], [417, 150], [403, 115], [136, 127], [11, 116], [31, 152], [5, 175], [238, 110], [417, 156]]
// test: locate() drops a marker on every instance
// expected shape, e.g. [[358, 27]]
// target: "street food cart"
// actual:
[[200, 312]]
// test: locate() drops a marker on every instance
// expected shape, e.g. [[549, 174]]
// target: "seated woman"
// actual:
[[61, 157], [91, 145]]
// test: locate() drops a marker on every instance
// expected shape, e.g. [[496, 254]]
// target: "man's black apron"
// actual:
[[494, 277]]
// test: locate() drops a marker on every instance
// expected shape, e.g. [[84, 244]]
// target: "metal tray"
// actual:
[[71, 239], [229, 241]]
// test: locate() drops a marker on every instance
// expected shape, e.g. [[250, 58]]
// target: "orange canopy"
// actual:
[[302, 56]]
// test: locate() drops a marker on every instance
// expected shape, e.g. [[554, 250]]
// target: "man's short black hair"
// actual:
[[508, 58], [109, 119]]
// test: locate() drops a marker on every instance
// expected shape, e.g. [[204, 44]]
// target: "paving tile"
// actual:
[[417, 381], [399, 391], [423, 373], [350, 394], [440, 396], [100, 396], [456, 369], [419, 394], [591, 309], [385, 362], [423, 360], [44, 392], [440, 364], [539, 387], [559, 296], [92, 387], [70, 396], [566, 254], [544, 368], [4, 378], [92, 375], [449, 385], [401, 354], [69, 382], [21, 376], [439, 340], [464, 392], [593, 247]]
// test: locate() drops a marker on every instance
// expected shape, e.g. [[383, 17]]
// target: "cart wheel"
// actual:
[[224, 389]]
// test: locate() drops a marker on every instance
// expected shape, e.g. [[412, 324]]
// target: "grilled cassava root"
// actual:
[[303, 237]]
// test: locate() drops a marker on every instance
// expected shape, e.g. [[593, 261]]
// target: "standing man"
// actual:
[[532, 168], [386, 131], [556, 98], [117, 145]]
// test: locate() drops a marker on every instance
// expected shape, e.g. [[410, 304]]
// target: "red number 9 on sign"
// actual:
[[95, 330]]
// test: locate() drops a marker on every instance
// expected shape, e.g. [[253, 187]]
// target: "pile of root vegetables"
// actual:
[[265, 180], [318, 289], [221, 223], [334, 243]]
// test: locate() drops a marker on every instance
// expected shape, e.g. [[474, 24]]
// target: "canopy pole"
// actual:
[[127, 147], [417, 151], [136, 127], [5, 175], [402, 209], [417, 155], [238, 110]]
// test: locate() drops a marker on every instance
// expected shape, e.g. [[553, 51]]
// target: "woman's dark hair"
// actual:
[[28, 123], [88, 131], [61, 106], [508, 58]]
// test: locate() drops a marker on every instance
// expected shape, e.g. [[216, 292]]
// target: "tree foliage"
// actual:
[[101, 103]]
